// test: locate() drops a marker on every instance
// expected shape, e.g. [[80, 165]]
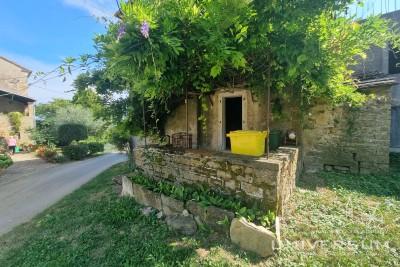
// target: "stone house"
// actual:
[[333, 138], [386, 63], [14, 98], [345, 139]]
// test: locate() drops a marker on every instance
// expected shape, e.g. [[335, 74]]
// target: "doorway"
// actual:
[[233, 117], [395, 131]]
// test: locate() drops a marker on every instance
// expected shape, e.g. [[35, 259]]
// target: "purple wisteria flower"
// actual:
[[121, 31], [145, 29]]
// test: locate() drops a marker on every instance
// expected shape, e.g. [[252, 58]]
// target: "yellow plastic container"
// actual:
[[250, 143]]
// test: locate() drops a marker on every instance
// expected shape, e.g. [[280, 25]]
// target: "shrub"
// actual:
[[60, 158], [76, 151], [94, 147], [5, 161], [67, 133], [40, 151], [15, 120], [47, 153], [3, 145]]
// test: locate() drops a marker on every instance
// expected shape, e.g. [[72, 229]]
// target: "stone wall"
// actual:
[[28, 120], [266, 181], [13, 78], [176, 122], [355, 140], [254, 110]]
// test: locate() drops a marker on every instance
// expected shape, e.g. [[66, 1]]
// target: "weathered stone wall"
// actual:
[[255, 117], [176, 122], [28, 120], [353, 140], [267, 181], [13, 77]]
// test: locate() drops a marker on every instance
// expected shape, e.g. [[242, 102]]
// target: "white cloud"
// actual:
[[96, 8], [43, 91]]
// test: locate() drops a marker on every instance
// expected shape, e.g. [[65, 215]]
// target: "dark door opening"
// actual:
[[233, 116], [395, 131]]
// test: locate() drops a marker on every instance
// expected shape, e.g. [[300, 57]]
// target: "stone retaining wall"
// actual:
[[256, 179], [187, 217]]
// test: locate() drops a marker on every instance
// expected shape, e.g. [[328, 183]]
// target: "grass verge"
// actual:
[[334, 220]]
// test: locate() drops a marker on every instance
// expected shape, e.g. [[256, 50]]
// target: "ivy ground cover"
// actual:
[[335, 220]]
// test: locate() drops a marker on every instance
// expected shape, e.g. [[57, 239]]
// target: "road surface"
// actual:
[[27, 193]]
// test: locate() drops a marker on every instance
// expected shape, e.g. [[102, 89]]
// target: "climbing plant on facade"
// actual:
[[304, 49]]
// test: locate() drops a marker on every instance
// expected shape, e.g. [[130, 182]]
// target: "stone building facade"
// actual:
[[386, 62], [349, 139], [14, 98], [355, 140]]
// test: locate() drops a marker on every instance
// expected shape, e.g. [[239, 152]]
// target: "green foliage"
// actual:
[[302, 49], [87, 96], [52, 115], [59, 158], [349, 227], [94, 147], [15, 120], [5, 161], [3, 145], [67, 133], [120, 137], [76, 114], [76, 151], [48, 153], [395, 162], [206, 197]]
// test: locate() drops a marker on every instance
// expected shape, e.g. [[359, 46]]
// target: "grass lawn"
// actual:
[[334, 220], [395, 161]]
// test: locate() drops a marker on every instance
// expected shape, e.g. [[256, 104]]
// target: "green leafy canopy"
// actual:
[[305, 48], [158, 49]]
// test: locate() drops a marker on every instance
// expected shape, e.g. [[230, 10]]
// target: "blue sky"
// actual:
[[39, 34]]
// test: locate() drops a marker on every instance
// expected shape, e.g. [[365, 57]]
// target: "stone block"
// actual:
[[237, 169], [214, 217], [210, 215], [171, 206], [247, 178], [196, 209], [252, 190], [224, 175], [146, 197], [251, 237], [127, 188], [183, 224], [231, 185]]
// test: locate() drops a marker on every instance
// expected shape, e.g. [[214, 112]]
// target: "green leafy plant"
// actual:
[[206, 197], [5, 161], [67, 133], [94, 147], [15, 120], [76, 151]]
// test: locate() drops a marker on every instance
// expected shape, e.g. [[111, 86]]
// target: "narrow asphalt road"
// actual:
[[24, 196]]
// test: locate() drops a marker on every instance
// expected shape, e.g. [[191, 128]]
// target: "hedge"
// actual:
[[94, 147], [76, 151], [67, 133]]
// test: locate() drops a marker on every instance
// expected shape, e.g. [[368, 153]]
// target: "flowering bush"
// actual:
[[48, 153]]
